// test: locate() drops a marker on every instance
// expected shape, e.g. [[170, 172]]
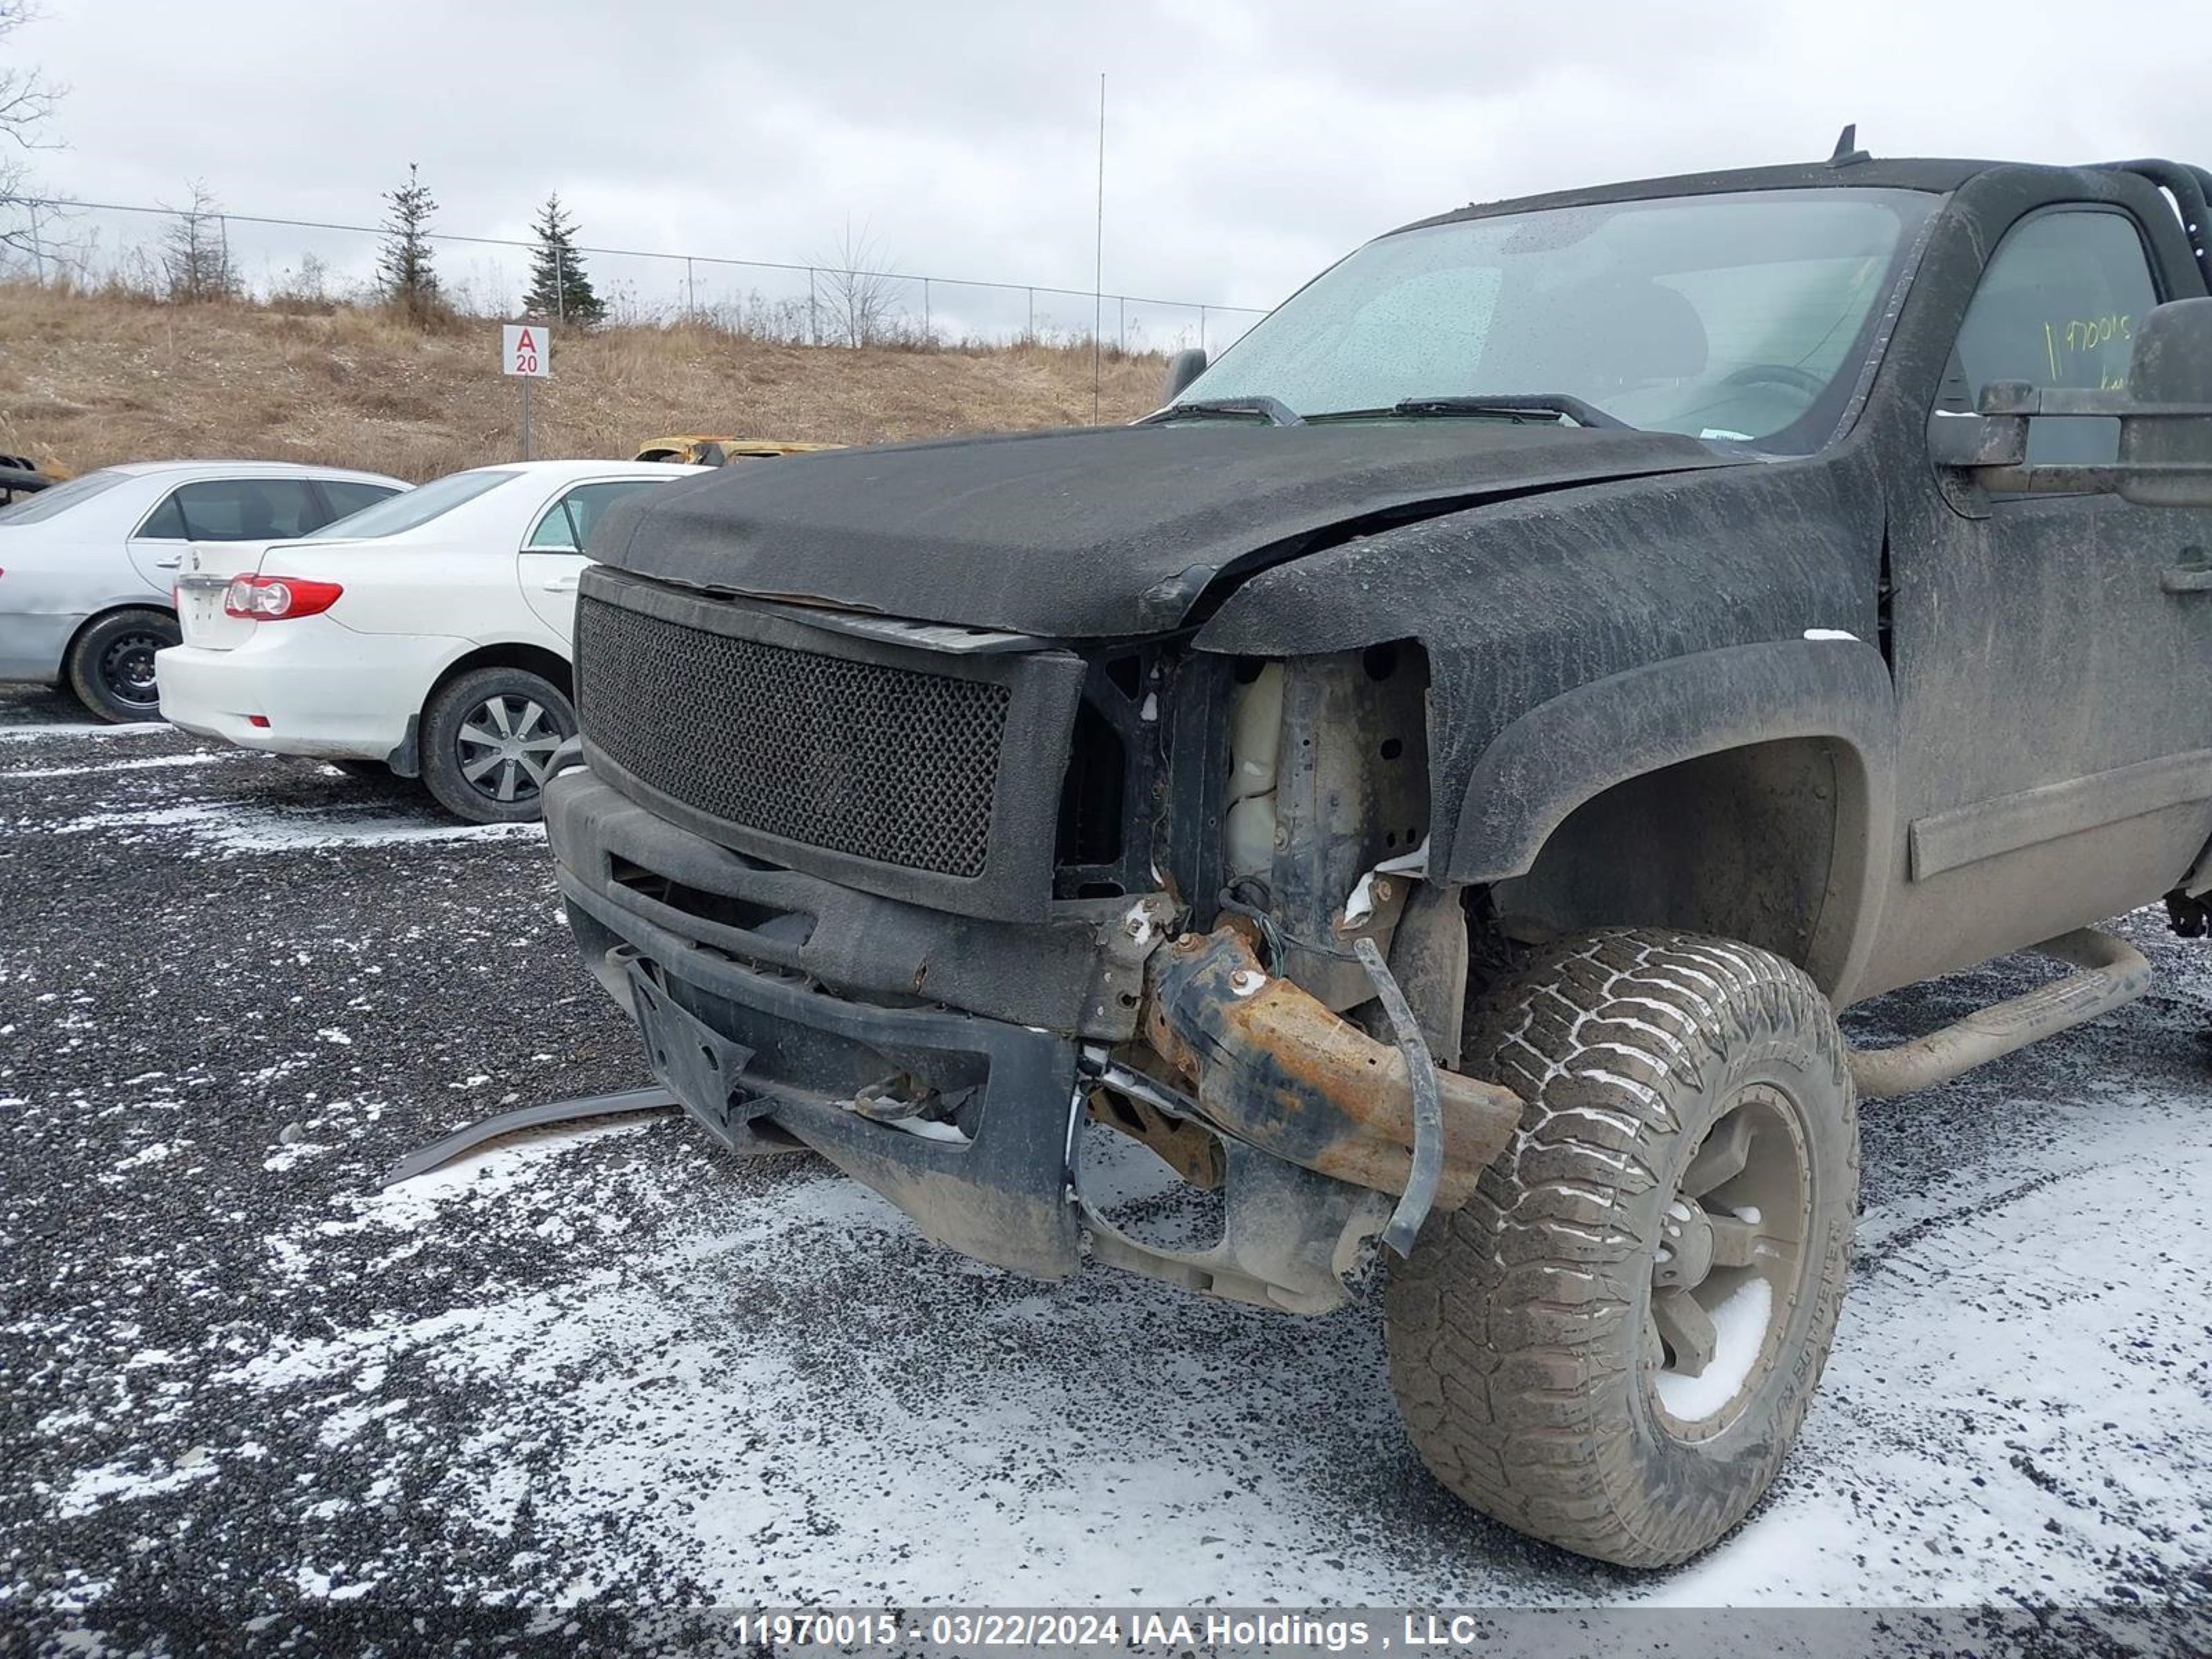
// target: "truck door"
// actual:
[[2054, 692]]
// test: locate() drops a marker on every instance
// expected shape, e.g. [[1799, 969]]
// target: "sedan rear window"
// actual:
[[346, 496], [236, 510], [57, 499], [416, 507]]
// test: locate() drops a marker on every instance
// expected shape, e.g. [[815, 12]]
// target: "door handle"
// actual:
[[561, 584], [167, 564], [2186, 578]]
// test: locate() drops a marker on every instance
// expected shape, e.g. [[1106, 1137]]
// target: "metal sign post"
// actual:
[[527, 351]]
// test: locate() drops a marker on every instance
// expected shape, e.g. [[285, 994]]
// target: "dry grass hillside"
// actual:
[[88, 379]]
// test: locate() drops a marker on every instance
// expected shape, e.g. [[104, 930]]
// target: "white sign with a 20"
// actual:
[[526, 349]]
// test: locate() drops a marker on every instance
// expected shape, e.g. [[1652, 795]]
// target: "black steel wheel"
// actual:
[[111, 665]]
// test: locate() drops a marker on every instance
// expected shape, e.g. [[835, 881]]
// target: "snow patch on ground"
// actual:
[[132, 729], [143, 764], [481, 1177], [115, 1483], [2017, 1399], [717, 1395], [232, 830]]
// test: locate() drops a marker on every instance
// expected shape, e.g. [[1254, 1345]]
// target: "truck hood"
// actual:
[[1095, 531]]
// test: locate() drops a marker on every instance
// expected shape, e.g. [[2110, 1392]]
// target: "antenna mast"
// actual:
[[1098, 255]]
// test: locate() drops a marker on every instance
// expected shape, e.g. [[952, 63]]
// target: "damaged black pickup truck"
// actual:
[[1435, 781]]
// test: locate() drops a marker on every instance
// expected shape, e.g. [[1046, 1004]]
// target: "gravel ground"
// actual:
[[615, 1364]]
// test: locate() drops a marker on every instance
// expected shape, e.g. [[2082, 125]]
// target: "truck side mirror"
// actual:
[[1183, 368], [2165, 415], [2166, 458]]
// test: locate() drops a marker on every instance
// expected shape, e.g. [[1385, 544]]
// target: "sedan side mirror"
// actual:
[[2164, 416], [1183, 368]]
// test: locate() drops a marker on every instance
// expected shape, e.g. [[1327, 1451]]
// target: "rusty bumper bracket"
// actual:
[[1271, 1067], [1428, 1110]]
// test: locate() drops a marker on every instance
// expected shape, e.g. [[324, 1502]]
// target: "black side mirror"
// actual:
[[2164, 416], [1183, 368], [2169, 453]]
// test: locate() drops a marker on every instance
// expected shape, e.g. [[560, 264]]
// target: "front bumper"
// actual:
[[324, 689], [800, 999], [948, 1061], [743, 1048]]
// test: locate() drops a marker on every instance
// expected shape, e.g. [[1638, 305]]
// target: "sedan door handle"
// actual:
[[2186, 578], [167, 564], [561, 584]]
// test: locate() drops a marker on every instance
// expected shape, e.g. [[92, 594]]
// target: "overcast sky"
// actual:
[[1249, 142]]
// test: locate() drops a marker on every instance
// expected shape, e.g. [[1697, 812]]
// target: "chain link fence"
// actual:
[[312, 265]]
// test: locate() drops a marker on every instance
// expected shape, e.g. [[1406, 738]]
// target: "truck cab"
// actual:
[[1435, 781]]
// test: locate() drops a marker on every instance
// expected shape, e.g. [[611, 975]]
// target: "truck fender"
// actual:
[[1574, 747]]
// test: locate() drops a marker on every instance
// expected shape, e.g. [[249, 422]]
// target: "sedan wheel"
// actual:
[[487, 743], [111, 666], [126, 670], [506, 745]]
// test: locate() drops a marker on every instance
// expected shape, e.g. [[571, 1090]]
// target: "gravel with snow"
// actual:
[[614, 1364]]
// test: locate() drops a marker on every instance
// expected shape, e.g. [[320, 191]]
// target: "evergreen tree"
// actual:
[[403, 264], [559, 286]]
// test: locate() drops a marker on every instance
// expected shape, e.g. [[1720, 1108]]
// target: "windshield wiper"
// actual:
[[1512, 406], [1274, 410]]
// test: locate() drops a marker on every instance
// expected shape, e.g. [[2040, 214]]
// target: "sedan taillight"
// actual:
[[273, 598]]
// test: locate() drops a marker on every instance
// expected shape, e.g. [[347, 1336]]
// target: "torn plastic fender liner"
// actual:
[[1273, 1067]]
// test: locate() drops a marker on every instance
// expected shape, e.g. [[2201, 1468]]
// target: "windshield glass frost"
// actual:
[[412, 508], [1737, 316]]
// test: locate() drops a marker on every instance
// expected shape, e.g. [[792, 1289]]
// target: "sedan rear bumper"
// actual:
[[317, 688]]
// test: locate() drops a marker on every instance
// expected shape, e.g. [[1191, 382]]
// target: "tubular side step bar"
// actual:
[[2110, 973]]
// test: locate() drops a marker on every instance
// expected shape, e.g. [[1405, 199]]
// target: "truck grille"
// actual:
[[879, 762]]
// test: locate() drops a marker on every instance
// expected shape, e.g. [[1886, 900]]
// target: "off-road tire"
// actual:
[[446, 718], [1517, 1329], [94, 662]]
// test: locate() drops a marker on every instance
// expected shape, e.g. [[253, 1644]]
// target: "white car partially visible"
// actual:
[[427, 636], [85, 566]]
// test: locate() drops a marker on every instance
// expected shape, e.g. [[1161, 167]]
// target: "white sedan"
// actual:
[[85, 566], [429, 635]]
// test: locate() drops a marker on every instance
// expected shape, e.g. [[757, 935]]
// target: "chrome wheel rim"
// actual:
[[1730, 1266], [505, 747]]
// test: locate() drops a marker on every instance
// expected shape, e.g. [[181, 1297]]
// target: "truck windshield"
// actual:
[[1743, 317]]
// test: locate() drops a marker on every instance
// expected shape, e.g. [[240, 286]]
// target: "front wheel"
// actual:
[[487, 743], [1612, 1344], [111, 665]]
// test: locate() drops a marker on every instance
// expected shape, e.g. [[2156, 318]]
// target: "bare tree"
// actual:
[[862, 301], [196, 264], [27, 103]]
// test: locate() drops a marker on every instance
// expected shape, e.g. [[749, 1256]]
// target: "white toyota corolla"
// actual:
[[428, 635]]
